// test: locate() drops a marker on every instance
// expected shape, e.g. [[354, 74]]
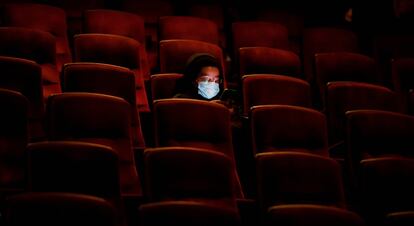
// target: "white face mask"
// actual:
[[208, 90]]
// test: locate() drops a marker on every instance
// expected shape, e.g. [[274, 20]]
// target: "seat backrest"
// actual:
[[119, 23], [325, 40], [42, 17], [266, 89], [78, 167], [13, 139], [375, 133], [174, 54], [187, 173], [345, 96], [59, 209], [26, 43], [278, 128], [195, 123], [259, 34], [189, 28], [187, 213], [114, 22], [107, 48], [385, 186], [106, 79], [265, 60], [298, 178], [24, 76], [307, 215], [100, 119], [185, 122], [345, 66], [164, 85]]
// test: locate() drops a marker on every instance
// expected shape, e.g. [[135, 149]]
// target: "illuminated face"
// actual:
[[209, 74]]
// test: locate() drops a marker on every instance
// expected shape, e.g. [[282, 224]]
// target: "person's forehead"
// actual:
[[208, 70]]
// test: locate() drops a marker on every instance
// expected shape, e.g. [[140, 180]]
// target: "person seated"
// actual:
[[202, 78]]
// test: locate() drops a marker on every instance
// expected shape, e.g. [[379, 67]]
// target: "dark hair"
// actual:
[[193, 67]]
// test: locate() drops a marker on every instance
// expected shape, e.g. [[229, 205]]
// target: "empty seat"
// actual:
[[266, 89], [259, 34], [278, 128], [298, 178], [109, 21], [78, 167], [35, 45], [189, 28], [194, 123], [106, 79], [59, 209], [25, 76], [100, 119], [192, 174], [214, 11], [385, 186], [256, 34], [346, 96], [187, 213], [42, 17], [325, 40], [344, 66], [265, 60], [375, 133], [13, 140], [151, 11], [164, 85], [116, 50], [308, 215]]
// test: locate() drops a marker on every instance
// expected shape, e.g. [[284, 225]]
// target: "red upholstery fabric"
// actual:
[[325, 40], [259, 34], [174, 54], [193, 174], [194, 123], [307, 215], [116, 50], [189, 28], [266, 89], [288, 128], [105, 79], [96, 118], [298, 178], [375, 133], [346, 96], [35, 45], [25, 76], [187, 213], [164, 85], [78, 167], [42, 17], [119, 23], [13, 140], [385, 186], [265, 60], [59, 209], [151, 11], [345, 66]]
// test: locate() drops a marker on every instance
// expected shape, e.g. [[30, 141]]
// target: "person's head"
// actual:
[[203, 75]]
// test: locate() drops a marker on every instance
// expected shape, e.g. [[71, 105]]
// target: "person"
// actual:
[[202, 78]]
